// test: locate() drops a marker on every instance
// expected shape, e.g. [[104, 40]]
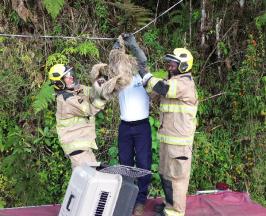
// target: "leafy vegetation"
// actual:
[[53, 7], [229, 72]]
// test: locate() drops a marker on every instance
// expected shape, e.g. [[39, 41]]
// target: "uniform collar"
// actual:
[[181, 76]]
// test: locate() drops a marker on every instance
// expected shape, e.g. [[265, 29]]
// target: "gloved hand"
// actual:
[[130, 40], [131, 43], [117, 44]]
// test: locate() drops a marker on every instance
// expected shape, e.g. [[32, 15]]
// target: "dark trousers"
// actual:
[[134, 147]]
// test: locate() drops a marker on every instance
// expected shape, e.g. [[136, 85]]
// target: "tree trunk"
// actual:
[[203, 19]]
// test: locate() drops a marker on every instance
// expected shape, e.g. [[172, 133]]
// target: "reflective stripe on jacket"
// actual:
[[75, 120], [177, 110]]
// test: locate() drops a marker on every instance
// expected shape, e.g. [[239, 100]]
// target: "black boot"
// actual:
[[159, 207], [159, 214]]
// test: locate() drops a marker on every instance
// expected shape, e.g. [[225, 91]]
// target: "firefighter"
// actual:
[[178, 108], [75, 121]]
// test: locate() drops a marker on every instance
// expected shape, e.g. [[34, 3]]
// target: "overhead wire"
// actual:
[[85, 37], [154, 20], [54, 36]]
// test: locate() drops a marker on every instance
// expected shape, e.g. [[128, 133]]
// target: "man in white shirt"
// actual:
[[134, 137]]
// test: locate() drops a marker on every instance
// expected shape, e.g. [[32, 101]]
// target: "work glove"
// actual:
[[131, 43], [130, 40], [116, 44], [119, 43]]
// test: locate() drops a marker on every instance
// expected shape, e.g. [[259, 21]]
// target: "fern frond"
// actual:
[[56, 58], [136, 16], [69, 50], [88, 48], [53, 7], [179, 17], [43, 98]]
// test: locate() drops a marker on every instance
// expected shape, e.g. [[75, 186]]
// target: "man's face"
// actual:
[[172, 68]]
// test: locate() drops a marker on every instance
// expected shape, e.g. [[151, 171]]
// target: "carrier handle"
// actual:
[[69, 201]]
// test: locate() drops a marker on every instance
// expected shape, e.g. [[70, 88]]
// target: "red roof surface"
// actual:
[[220, 204]]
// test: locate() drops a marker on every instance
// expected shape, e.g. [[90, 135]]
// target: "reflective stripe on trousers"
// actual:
[[175, 140], [171, 212], [63, 123]]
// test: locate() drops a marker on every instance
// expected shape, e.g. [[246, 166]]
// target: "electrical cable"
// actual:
[[154, 20], [84, 37]]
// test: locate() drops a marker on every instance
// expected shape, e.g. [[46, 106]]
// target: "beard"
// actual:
[[173, 73]]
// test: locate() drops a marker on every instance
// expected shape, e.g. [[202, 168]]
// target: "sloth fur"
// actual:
[[117, 74]]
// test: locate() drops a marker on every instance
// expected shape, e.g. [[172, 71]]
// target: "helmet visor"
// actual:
[[69, 72], [169, 57]]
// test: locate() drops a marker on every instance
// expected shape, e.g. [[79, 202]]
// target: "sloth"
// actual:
[[116, 75]]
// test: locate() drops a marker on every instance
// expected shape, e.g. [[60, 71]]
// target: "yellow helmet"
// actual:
[[56, 73], [183, 58]]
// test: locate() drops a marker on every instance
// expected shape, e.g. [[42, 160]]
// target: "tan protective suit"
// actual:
[[76, 123], [178, 123]]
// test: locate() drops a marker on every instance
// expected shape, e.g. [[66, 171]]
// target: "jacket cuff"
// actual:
[[146, 78], [99, 103]]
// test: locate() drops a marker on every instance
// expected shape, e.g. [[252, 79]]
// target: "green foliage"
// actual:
[[14, 18], [257, 180], [35, 163], [11, 84], [134, 15], [56, 58], [179, 22], [160, 74], [43, 98], [196, 15], [86, 48], [260, 21], [57, 29], [107, 122], [222, 46], [247, 91], [53, 7], [229, 141], [155, 188], [151, 39], [212, 153], [101, 12], [6, 191], [156, 50]]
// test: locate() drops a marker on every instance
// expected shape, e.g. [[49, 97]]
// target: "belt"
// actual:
[[146, 120]]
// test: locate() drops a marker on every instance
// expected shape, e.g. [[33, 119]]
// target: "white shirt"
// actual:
[[134, 101]]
